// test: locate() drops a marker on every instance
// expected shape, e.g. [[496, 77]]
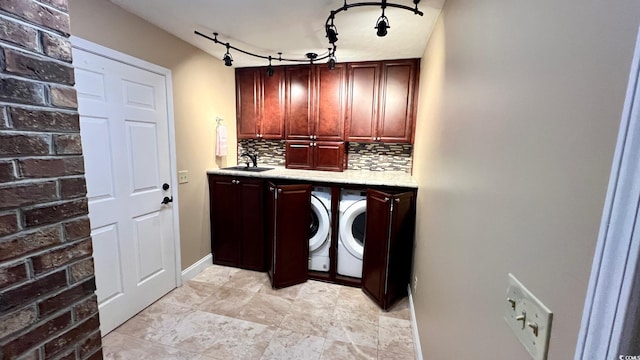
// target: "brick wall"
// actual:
[[48, 309]]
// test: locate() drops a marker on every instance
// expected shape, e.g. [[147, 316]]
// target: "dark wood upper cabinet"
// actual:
[[386, 268], [298, 106], [237, 222], [289, 207], [315, 155], [330, 89], [259, 103], [381, 101], [362, 105], [248, 102], [315, 102], [397, 103]]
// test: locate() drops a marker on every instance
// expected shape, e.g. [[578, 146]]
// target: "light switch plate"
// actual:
[[183, 176], [528, 318]]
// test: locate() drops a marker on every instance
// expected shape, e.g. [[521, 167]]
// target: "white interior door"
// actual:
[[125, 141]]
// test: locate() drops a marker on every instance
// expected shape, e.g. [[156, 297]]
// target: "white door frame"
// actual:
[[108, 53], [609, 297]]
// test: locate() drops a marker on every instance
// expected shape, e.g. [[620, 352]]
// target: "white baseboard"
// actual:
[[195, 269], [414, 326]]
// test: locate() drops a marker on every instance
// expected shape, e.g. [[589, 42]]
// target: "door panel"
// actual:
[[299, 155], [401, 247], [374, 260], [362, 101], [329, 156], [247, 102], [252, 219], [124, 127], [291, 240], [329, 124], [396, 105], [298, 102], [223, 205], [272, 119]]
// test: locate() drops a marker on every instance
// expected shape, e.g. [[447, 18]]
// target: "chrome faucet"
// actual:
[[253, 157]]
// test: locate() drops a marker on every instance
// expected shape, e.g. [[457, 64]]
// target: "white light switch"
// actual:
[[183, 176], [528, 318]]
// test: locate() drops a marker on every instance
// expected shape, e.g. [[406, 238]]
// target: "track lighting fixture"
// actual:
[[269, 68], [382, 24], [332, 60], [228, 60], [332, 31]]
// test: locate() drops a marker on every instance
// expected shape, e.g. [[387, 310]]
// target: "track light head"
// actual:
[[228, 60], [382, 25], [332, 63], [332, 34], [270, 71]]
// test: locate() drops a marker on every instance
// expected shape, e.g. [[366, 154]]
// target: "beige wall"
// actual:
[[520, 103], [203, 88]]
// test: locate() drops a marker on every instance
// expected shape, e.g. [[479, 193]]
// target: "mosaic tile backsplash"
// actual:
[[270, 152], [380, 157], [362, 156]]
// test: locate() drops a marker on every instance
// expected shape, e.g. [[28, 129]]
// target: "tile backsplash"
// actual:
[[270, 152], [362, 156], [380, 157]]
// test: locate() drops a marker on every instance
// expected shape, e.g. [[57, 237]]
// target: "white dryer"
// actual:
[[352, 222], [320, 229]]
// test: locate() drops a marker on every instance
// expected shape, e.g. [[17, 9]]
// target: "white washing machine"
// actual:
[[352, 221], [320, 229]]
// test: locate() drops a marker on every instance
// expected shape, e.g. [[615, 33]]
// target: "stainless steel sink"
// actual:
[[248, 169]]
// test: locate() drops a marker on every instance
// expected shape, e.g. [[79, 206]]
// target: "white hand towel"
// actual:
[[221, 140]]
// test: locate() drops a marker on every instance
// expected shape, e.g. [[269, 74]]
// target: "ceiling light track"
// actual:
[[310, 57], [382, 24]]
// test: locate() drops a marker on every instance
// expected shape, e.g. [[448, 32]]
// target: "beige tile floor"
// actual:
[[227, 313]]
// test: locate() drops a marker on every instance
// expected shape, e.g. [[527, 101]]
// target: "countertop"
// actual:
[[354, 177]]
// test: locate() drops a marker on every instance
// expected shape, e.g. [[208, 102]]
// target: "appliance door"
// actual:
[[319, 224], [352, 228]]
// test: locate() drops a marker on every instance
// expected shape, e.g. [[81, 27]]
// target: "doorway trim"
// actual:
[[91, 47], [609, 298]]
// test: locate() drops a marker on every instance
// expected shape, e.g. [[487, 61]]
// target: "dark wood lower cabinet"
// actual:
[[288, 211], [237, 222], [386, 268]]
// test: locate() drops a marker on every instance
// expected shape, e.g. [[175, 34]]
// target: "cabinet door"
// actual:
[[328, 156], [290, 244], [298, 88], [299, 155], [397, 109], [223, 211], [388, 250], [400, 247], [247, 102], [362, 101], [330, 98], [272, 119], [374, 259], [251, 220]]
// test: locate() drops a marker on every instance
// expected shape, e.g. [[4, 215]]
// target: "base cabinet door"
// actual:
[[288, 211], [223, 210], [386, 267], [237, 222]]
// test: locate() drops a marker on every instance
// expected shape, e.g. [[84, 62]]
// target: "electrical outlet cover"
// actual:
[[528, 318]]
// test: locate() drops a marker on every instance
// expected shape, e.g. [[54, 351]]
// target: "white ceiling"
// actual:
[[294, 27]]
